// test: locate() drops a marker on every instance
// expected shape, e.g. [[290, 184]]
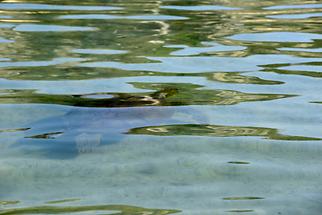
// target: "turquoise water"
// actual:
[[160, 107]]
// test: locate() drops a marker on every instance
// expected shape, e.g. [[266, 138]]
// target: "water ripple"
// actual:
[[51, 28], [315, 50], [210, 47], [199, 7], [3, 40], [296, 16], [299, 6], [291, 37], [115, 17], [205, 64], [111, 209], [217, 131], [99, 51], [30, 6]]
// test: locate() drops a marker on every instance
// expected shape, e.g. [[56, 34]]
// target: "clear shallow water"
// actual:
[[160, 107]]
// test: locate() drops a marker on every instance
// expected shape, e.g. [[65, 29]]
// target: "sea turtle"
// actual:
[[84, 129], [105, 118]]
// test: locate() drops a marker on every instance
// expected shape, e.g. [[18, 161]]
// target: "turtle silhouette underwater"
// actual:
[[83, 130], [90, 123]]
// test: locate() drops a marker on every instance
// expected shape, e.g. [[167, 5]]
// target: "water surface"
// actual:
[[160, 107]]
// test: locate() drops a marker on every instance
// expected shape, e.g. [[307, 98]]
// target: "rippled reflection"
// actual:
[[291, 37], [110, 209], [50, 28], [165, 94], [30, 6], [216, 130]]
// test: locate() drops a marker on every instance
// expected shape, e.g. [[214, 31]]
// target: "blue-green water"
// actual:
[[161, 107]]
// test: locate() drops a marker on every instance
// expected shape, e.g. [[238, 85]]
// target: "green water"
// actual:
[[161, 107]]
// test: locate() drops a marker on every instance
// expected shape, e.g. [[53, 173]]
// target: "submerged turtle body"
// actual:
[[83, 130]]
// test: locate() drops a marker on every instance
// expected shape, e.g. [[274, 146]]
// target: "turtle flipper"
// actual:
[[88, 142]]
